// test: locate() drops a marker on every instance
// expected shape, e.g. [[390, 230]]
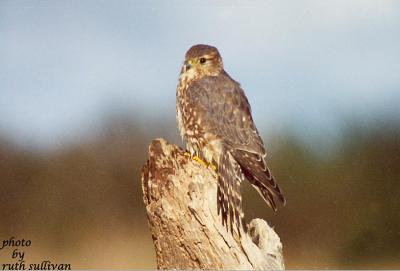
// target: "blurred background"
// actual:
[[86, 85]]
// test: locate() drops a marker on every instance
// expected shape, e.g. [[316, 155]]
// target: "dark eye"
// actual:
[[202, 60]]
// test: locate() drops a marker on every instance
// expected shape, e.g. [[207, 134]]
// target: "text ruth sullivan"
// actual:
[[18, 247], [45, 265]]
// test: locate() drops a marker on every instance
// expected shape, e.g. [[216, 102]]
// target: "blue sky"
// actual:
[[305, 65]]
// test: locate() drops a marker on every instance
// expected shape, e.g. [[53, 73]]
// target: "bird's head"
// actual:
[[201, 60]]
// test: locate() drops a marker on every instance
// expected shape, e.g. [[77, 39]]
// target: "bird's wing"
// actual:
[[222, 104], [225, 112]]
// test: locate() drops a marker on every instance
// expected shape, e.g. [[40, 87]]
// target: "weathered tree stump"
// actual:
[[180, 198]]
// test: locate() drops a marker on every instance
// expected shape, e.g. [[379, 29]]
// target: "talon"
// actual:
[[213, 167], [200, 161], [204, 163]]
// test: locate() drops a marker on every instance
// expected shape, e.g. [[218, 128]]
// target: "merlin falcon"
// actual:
[[214, 119]]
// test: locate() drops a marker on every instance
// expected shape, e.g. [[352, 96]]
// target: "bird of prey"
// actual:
[[214, 119]]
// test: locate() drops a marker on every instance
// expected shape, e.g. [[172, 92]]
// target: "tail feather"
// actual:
[[265, 194], [229, 196], [256, 171]]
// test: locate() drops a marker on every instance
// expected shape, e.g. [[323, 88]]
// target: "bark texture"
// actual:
[[181, 202]]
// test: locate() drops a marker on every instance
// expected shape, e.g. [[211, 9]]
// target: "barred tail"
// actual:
[[229, 200]]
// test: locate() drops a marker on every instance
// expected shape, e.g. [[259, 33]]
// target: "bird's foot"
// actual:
[[204, 163], [213, 167], [201, 161]]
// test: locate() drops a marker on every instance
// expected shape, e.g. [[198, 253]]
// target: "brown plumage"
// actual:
[[214, 118]]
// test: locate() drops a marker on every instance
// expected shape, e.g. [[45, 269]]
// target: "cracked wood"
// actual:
[[181, 204]]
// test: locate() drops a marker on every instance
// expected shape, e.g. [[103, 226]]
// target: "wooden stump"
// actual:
[[181, 202]]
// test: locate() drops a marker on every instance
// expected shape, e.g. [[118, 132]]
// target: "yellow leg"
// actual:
[[201, 161], [213, 167]]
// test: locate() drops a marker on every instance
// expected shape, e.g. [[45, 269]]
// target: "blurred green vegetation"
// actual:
[[82, 204]]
